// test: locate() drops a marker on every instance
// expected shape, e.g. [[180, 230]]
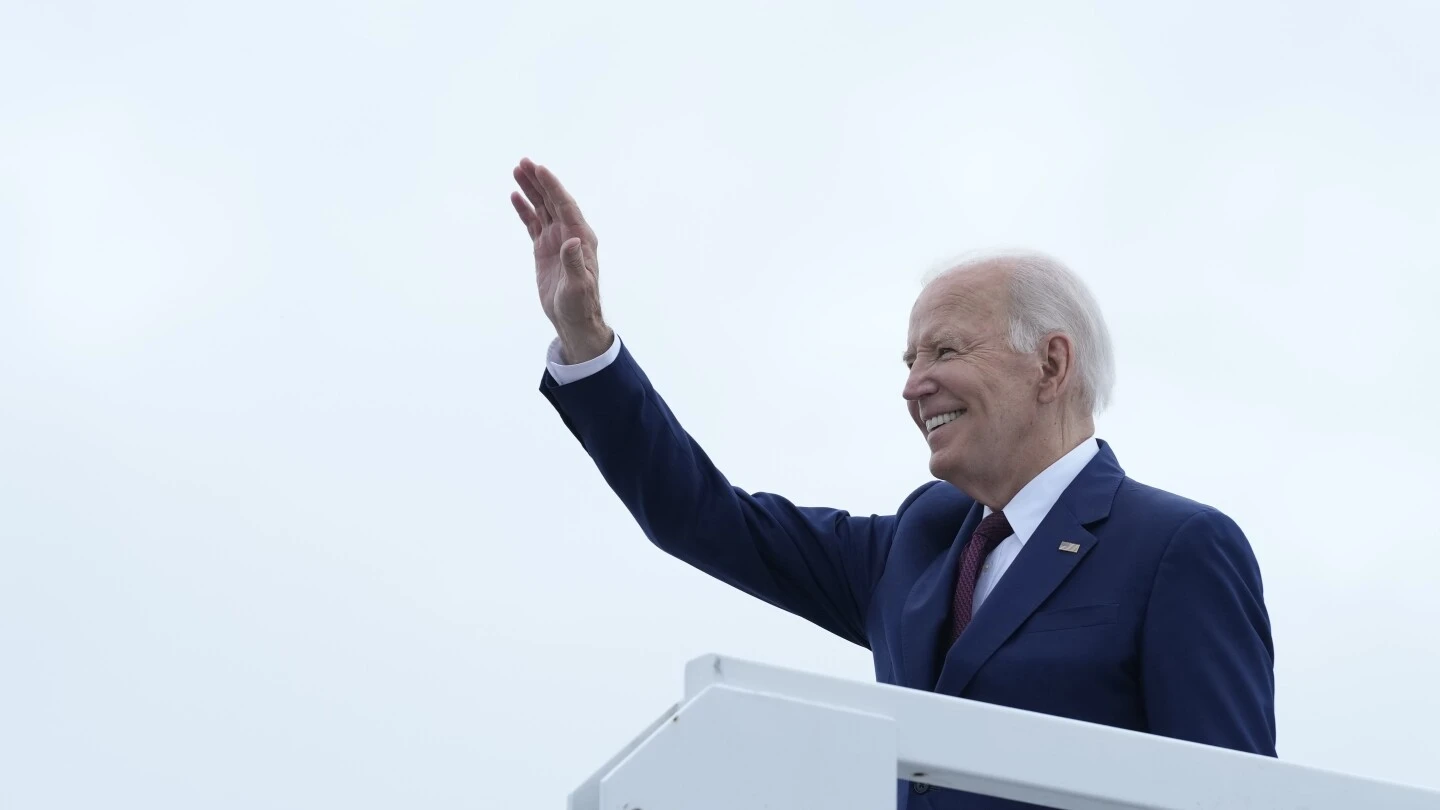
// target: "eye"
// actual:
[[944, 351]]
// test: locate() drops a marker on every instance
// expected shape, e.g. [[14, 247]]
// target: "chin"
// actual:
[[941, 467], [946, 464]]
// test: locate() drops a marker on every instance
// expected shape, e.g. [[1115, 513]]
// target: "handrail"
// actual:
[[751, 735]]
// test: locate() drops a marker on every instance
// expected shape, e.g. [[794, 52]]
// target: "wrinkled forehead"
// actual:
[[969, 302]]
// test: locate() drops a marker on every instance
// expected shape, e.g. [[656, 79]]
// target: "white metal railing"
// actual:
[[748, 735]]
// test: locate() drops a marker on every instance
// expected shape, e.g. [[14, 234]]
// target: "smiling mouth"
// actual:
[[940, 420]]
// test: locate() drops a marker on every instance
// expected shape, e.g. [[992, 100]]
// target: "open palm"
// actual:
[[566, 267]]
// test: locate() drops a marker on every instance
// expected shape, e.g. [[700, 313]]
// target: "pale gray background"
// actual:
[[285, 523]]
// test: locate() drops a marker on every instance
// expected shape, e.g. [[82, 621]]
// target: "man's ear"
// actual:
[[1057, 366]]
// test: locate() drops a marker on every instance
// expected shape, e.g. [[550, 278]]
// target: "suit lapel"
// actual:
[[1038, 570], [925, 621], [1031, 578]]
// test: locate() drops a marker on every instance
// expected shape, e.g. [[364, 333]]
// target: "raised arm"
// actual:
[[818, 563]]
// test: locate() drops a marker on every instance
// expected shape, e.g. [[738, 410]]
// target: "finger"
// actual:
[[532, 191], [528, 168], [572, 256], [527, 214], [564, 207], [526, 180]]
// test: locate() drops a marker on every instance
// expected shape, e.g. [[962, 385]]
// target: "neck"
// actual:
[[1048, 447]]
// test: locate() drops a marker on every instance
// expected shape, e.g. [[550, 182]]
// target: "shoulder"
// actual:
[[933, 496], [1178, 528], [932, 512], [1159, 511], [916, 495]]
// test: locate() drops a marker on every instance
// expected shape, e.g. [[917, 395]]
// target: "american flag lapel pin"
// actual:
[[1072, 548]]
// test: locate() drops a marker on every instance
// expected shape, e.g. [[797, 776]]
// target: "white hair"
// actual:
[[1047, 297]]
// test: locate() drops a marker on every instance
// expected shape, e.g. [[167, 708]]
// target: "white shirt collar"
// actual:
[[1035, 500]]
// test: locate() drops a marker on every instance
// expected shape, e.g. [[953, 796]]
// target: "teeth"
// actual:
[[944, 418]]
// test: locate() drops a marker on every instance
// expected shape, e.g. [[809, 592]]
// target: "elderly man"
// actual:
[[1033, 573]]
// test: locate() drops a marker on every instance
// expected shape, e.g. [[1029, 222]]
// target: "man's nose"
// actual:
[[917, 385]]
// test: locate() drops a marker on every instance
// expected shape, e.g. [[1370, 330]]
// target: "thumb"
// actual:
[[573, 258]]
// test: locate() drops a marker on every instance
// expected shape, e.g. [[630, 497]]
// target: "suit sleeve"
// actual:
[[818, 563], [1207, 653]]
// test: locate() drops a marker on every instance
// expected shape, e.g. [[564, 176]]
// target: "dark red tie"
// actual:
[[987, 536]]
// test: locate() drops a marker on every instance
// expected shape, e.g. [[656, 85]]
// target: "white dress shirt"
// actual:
[[563, 374], [1025, 511]]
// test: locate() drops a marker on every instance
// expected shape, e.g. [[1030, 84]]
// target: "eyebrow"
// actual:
[[944, 335]]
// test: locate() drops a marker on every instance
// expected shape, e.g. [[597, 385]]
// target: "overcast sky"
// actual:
[[284, 521]]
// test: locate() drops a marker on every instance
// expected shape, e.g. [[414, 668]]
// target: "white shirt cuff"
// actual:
[[564, 374]]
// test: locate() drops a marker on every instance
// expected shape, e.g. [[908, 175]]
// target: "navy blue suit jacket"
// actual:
[[1157, 623]]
